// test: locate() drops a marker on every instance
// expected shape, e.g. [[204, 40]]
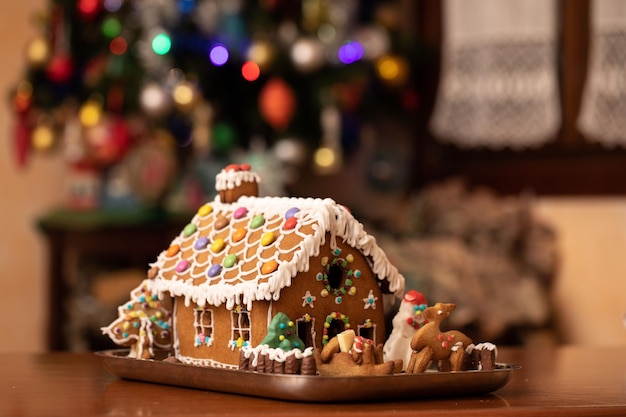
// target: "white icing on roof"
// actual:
[[243, 282]]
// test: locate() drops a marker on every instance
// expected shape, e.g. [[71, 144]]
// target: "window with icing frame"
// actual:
[[203, 325], [240, 328]]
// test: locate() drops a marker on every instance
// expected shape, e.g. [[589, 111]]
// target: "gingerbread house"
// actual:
[[242, 259]]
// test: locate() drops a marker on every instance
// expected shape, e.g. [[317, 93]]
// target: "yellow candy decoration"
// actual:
[[204, 210], [267, 238], [217, 245]]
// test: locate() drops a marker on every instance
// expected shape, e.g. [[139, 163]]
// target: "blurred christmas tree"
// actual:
[[136, 88]]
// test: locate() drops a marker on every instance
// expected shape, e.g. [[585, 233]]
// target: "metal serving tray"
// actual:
[[309, 388]]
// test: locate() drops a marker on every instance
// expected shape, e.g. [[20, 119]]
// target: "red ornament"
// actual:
[[88, 8], [22, 140], [277, 103], [108, 141], [60, 68]]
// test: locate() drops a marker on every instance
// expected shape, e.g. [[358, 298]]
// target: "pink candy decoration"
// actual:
[[240, 212], [182, 266]]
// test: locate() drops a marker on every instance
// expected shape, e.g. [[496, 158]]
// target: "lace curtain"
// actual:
[[498, 84], [602, 116]]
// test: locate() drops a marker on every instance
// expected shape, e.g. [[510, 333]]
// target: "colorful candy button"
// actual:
[[201, 243], [173, 250], [189, 230], [239, 234], [232, 167], [240, 212], [217, 245], [245, 167], [269, 267], [229, 260], [291, 212], [205, 210], [182, 265], [221, 222], [290, 223], [214, 270], [257, 221], [267, 238]]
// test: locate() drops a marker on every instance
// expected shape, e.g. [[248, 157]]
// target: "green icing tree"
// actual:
[[281, 333]]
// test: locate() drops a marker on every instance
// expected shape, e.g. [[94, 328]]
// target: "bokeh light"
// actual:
[[111, 27], [392, 69], [186, 6], [161, 44], [324, 157], [218, 55], [23, 96], [42, 137], [90, 113], [88, 8], [118, 46], [38, 51], [350, 52], [183, 94], [262, 53], [250, 71], [154, 99], [112, 6]]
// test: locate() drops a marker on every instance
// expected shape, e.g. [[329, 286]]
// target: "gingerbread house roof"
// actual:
[[237, 253]]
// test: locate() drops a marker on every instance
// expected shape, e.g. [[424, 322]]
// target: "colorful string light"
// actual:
[[250, 71]]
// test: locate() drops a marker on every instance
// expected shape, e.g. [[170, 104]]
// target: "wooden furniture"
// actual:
[[568, 381], [128, 238]]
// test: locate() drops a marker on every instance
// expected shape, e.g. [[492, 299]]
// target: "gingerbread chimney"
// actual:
[[235, 181]]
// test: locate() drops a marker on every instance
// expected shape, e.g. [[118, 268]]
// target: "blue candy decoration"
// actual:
[[291, 212], [214, 270], [201, 243]]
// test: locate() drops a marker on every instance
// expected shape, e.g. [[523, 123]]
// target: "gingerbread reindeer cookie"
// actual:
[[431, 344]]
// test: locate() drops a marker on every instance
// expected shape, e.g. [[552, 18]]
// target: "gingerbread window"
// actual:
[[240, 327], [203, 324]]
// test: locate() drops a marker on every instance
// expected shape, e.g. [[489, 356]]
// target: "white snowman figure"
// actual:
[[405, 324]]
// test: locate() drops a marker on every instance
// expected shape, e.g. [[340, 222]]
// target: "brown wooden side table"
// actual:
[[135, 237]]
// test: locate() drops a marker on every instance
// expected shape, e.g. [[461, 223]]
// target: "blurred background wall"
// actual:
[[589, 295], [27, 194]]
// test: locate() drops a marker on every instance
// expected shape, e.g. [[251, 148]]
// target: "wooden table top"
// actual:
[[562, 381]]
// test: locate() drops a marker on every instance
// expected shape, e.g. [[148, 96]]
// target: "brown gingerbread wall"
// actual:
[[352, 305]]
